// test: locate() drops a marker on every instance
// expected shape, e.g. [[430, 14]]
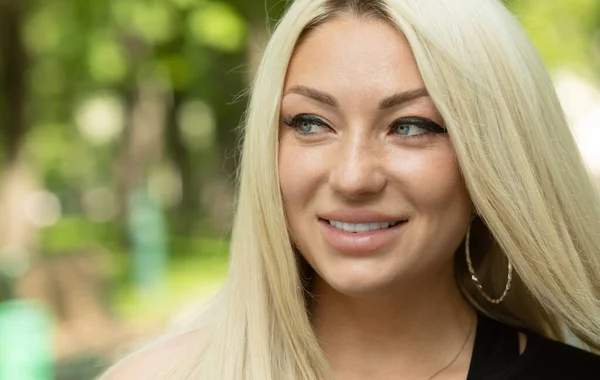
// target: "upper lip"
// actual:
[[360, 216]]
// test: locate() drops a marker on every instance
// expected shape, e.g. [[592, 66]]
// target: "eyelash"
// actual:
[[426, 124]]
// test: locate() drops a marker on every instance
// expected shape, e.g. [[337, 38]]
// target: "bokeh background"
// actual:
[[119, 126]]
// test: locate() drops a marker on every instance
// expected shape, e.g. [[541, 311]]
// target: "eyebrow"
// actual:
[[328, 99]]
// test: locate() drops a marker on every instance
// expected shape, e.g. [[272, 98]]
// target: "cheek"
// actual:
[[288, 176], [298, 181], [294, 173], [435, 189], [301, 172], [434, 182]]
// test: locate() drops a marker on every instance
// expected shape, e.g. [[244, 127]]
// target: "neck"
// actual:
[[414, 331]]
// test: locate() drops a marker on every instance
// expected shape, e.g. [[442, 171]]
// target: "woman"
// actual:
[[412, 205]]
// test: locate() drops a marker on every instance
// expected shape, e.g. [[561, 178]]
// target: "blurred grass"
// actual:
[[75, 233], [196, 269]]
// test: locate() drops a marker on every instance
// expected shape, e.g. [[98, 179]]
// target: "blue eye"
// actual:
[[406, 129], [415, 127], [307, 124]]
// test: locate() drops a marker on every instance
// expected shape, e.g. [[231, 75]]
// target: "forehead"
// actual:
[[348, 53]]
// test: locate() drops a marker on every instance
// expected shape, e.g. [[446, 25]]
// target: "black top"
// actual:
[[496, 357]]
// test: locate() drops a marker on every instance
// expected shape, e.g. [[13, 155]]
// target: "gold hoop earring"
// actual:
[[474, 276]]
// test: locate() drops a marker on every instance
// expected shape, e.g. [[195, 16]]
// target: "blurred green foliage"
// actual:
[[566, 33]]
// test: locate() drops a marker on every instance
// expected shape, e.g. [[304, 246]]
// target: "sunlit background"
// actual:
[[118, 154]]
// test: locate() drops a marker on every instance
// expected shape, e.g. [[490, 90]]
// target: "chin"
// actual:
[[371, 290], [362, 285]]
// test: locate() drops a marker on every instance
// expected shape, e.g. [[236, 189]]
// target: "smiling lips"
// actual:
[[360, 234]]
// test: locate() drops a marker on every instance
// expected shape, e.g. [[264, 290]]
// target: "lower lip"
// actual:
[[359, 242]]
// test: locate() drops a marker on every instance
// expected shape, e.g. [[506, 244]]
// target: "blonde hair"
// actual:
[[519, 160]]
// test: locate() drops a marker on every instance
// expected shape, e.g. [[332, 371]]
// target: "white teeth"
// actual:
[[349, 227], [376, 226], [361, 227], [336, 224]]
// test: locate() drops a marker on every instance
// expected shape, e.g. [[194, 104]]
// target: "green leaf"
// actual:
[[106, 60], [218, 25], [43, 30], [153, 21]]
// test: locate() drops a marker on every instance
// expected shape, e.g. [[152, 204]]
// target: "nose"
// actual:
[[358, 167]]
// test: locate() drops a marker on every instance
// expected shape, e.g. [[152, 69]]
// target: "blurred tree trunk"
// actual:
[[143, 143], [17, 181], [178, 151], [13, 75]]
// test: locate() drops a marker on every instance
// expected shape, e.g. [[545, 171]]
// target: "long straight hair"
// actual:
[[536, 201]]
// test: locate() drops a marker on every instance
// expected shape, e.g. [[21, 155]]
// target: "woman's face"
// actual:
[[372, 191]]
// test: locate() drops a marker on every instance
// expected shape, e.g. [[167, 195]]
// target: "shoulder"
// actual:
[[549, 359], [154, 359]]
